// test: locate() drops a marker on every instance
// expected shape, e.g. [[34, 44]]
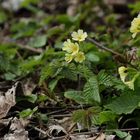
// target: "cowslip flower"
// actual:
[[123, 71], [68, 57], [123, 74], [70, 47], [79, 57], [79, 35], [135, 26], [130, 84]]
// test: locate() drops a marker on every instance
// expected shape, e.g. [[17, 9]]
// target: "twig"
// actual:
[[103, 47], [68, 107], [75, 134], [90, 132], [124, 129], [39, 130], [69, 131], [110, 50], [7, 40], [26, 47], [56, 111], [61, 115]]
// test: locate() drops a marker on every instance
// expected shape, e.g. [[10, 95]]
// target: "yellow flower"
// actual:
[[68, 57], [123, 72], [70, 47], [130, 84], [67, 45], [79, 35], [79, 57], [135, 26]]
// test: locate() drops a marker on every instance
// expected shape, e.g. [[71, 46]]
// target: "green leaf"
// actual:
[[24, 29], [54, 31], [107, 116], [76, 96], [121, 134], [129, 137], [91, 90], [52, 84], [81, 116], [69, 71], [27, 112], [3, 17], [92, 57], [42, 98], [84, 71], [49, 71], [43, 117], [38, 41], [25, 3], [29, 65], [135, 7], [31, 98], [78, 115], [124, 104], [85, 117], [9, 76], [104, 78]]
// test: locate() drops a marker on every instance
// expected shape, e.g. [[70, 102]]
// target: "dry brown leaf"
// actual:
[[110, 137], [101, 137], [56, 130], [66, 123], [7, 101], [17, 131], [80, 137]]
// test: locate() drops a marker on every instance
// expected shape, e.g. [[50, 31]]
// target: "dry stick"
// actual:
[[109, 50], [61, 115], [103, 47], [69, 131], [22, 46], [75, 134], [90, 132], [26, 47], [39, 130], [56, 111], [123, 129]]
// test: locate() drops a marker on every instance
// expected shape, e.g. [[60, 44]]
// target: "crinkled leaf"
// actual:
[[27, 112], [31, 98], [91, 90], [124, 104], [52, 84], [104, 78], [92, 57], [76, 96], [121, 134], [38, 41], [106, 116]]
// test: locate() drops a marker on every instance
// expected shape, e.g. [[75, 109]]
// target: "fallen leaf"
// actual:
[[7, 101], [55, 130], [16, 131]]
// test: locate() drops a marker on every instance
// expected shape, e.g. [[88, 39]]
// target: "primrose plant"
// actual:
[[124, 71], [72, 49]]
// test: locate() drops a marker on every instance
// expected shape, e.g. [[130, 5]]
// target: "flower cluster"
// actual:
[[135, 26], [72, 48], [123, 71]]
